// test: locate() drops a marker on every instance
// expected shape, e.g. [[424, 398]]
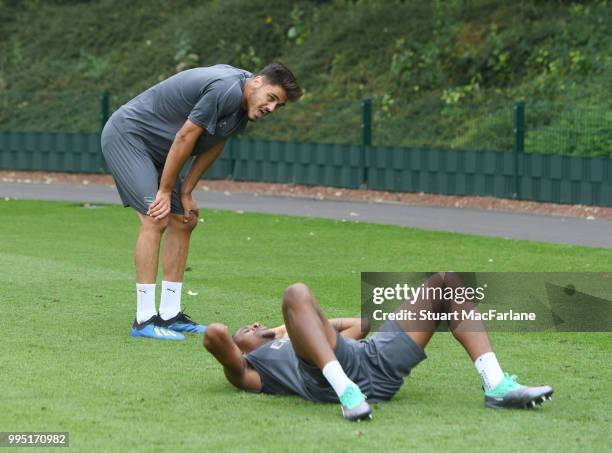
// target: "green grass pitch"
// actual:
[[69, 364]]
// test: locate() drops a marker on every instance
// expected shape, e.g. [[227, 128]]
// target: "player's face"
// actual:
[[249, 338], [264, 99]]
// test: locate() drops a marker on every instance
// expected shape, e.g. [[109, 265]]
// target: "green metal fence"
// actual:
[[434, 124], [383, 147], [550, 128], [297, 163], [561, 129], [541, 177], [31, 151]]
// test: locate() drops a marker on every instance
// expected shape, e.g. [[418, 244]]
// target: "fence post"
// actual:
[[104, 109], [232, 158], [519, 146], [104, 114], [366, 137]]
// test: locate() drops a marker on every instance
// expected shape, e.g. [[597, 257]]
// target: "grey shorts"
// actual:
[[378, 365], [135, 172]]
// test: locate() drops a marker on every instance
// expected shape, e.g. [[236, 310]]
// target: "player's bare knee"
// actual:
[[162, 224], [191, 224], [213, 335], [178, 223], [159, 225], [437, 280], [295, 296], [365, 326]]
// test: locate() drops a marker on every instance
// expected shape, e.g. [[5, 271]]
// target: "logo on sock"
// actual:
[[142, 291], [173, 290]]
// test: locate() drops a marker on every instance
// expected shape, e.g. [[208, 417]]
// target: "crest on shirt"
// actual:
[[277, 344]]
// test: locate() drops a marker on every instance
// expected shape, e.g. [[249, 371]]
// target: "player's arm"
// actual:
[[350, 327], [198, 167], [182, 147], [219, 342], [347, 327], [280, 332]]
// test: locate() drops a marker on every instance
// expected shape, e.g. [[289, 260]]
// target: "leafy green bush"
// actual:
[[443, 73]]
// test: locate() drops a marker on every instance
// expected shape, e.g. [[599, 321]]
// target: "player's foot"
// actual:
[[354, 405], [152, 328], [511, 394], [182, 323]]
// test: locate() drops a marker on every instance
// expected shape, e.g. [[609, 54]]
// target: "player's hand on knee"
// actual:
[[190, 207], [160, 208]]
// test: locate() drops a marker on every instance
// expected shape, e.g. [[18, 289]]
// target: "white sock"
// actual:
[[489, 370], [336, 377], [170, 303], [145, 301]]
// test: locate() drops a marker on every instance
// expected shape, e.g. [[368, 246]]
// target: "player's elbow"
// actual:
[[215, 334], [364, 328], [183, 137], [189, 133]]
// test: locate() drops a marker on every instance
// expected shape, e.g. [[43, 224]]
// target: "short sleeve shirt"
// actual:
[[210, 97]]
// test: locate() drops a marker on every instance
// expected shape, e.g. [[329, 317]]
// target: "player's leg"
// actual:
[[146, 254], [314, 341], [176, 250], [471, 334], [501, 390], [421, 330], [136, 178], [312, 336], [176, 246], [146, 257]]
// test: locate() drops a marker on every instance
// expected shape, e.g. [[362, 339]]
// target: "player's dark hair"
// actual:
[[279, 74]]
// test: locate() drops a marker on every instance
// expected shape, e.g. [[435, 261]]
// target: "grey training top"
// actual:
[[378, 365], [210, 97], [279, 369], [282, 372]]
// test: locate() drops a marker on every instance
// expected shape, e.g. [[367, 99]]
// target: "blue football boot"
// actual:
[[153, 328], [182, 323]]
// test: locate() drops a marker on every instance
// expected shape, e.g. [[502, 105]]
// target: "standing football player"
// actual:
[[147, 141]]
